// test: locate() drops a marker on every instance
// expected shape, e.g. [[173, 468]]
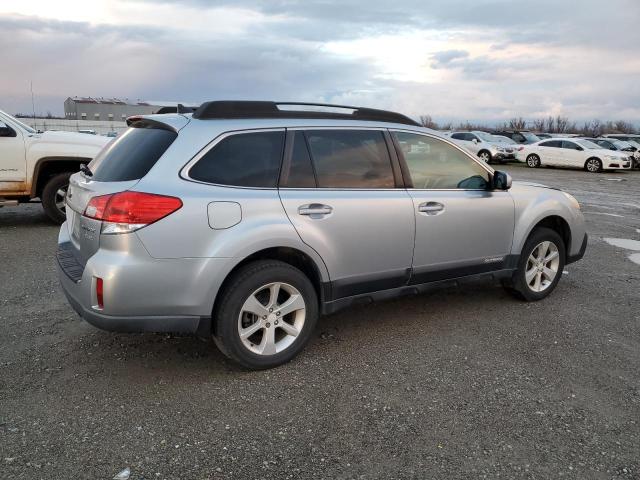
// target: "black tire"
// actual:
[[50, 194], [239, 288], [533, 161], [485, 155], [517, 284], [593, 165]]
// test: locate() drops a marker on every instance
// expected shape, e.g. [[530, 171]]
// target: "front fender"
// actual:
[[534, 204]]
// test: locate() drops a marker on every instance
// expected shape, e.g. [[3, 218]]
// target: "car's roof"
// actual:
[[179, 121]]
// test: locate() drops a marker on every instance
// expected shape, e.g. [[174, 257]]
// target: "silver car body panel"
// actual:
[[167, 275]]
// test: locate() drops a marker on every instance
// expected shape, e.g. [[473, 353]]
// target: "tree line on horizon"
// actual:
[[551, 124]]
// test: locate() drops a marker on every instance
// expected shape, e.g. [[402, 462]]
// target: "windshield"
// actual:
[[621, 144], [23, 126], [588, 144], [530, 137], [487, 137]]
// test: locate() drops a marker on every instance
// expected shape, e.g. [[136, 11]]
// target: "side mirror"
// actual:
[[501, 181], [6, 130], [612, 148], [475, 140]]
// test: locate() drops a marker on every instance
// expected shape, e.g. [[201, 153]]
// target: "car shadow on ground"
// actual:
[[28, 215], [354, 331]]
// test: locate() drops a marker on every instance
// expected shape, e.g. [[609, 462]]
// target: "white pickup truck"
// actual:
[[38, 165]]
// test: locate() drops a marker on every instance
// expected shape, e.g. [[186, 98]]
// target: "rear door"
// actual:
[[344, 196]]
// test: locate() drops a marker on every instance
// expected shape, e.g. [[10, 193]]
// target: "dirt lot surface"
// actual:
[[454, 384]]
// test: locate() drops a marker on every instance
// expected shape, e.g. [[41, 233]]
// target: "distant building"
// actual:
[[109, 109]]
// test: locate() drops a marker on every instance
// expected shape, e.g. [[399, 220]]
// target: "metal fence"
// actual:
[[99, 127]]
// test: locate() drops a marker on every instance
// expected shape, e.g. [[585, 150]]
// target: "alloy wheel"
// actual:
[[542, 266], [271, 318], [60, 197], [593, 165], [485, 157]]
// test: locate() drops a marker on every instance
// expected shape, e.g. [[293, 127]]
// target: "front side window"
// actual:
[[242, 160], [552, 143], [434, 164], [350, 159]]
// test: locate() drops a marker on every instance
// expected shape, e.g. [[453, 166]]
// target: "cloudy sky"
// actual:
[[453, 59]]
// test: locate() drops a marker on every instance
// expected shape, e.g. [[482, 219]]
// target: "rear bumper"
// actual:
[[185, 323], [141, 293], [580, 254]]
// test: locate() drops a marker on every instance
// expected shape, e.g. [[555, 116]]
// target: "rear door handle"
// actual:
[[431, 208], [315, 209]]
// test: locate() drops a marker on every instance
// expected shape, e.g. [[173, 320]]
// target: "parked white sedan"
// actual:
[[578, 153]]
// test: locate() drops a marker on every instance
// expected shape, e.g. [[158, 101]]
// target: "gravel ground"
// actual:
[[453, 384]]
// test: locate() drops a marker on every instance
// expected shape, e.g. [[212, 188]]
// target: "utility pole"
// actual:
[[33, 106]]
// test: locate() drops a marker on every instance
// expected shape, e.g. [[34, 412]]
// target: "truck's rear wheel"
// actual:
[[53, 197]]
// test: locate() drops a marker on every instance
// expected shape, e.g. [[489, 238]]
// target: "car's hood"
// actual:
[[72, 138]]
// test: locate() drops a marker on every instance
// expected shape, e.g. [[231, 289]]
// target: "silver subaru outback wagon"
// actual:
[[247, 220]]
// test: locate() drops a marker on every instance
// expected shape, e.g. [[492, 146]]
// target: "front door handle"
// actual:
[[431, 208], [315, 210]]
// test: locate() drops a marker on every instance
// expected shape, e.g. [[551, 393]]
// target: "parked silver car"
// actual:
[[246, 220]]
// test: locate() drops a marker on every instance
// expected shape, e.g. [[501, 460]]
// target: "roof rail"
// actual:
[[234, 109]]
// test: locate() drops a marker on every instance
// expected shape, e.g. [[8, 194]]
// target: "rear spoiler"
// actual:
[[138, 121]]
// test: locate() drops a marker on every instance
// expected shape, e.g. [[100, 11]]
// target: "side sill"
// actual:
[[342, 303]]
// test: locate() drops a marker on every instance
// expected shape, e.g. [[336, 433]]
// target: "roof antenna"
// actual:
[[181, 109]]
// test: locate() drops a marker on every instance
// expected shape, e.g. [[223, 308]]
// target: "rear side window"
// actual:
[[552, 143], [570, 145], [242, 160], [350, 159], [300, 171], [131, 155]]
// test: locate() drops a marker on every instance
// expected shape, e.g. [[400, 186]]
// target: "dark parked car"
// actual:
[[519, 136]]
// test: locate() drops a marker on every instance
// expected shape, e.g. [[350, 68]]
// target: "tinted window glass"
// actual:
[[300, 171], [350, 159], [244, 160], [434, 164], [570, 145], [458, 136], [131, 155], [552, 143]]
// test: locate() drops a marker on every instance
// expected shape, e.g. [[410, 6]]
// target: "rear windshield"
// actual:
[[131, 155]]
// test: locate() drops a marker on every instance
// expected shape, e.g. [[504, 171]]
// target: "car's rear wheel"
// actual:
[[485, 156], [593, 165], [533, 161], [266, 314], [540, 266], [54, 195]]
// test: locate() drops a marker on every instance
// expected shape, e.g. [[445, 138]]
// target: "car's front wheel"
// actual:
[[593, 165], [533, 161], [485, 156], [54, 195], [540, 266], [266, 314]]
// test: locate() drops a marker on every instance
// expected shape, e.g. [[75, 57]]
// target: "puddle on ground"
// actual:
[[628, 244], [623, 243]]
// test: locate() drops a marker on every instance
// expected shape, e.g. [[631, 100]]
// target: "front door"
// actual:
[[462, 227], [339, 191], [12, 160]]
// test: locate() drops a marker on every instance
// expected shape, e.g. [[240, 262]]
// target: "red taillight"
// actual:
[[131, 207], [100, 292]]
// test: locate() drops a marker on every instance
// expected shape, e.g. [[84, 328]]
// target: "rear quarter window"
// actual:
[[131, 155], [242, 160]]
